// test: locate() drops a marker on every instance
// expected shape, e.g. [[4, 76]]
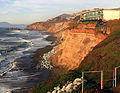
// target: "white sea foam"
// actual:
[[4, 90], [24, 44], [40, 42], [18, 31], [45, 36], [7, 39], [27, 41], [2, 58], [14, 75]]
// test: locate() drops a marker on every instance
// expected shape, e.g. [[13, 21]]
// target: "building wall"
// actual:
[[92, 15], [111, 15]]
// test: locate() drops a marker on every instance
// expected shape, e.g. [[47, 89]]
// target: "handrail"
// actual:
[[102, 75]]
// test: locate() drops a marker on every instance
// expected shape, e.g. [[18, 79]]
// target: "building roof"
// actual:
[[111, 9], [98, 9]]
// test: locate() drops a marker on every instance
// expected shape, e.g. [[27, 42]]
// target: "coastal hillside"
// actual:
[[104, 56], [75, 45], [81, 46], [43, 26]]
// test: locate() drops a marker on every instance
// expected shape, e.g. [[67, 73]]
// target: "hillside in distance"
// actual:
[[43, 26], [8, 25]]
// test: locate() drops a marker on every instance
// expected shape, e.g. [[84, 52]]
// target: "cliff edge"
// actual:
[[75, 44]]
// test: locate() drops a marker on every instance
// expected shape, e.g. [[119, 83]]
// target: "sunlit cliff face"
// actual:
[[75, 45]]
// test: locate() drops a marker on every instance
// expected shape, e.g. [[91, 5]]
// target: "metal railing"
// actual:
[[114, 79]]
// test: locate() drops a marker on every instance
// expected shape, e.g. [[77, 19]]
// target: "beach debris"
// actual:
[[68, 87]]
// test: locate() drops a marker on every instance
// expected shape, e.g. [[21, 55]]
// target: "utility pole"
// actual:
[[82, 82], [101, 80]]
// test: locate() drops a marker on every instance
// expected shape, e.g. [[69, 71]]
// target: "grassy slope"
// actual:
[[105, 56]]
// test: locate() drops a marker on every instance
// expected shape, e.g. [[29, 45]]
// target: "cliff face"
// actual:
[[75, 45], [76, 40], [41, 26], [58, 27], [49, 26]]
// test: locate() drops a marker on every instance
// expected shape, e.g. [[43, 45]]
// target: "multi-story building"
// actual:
[[101, 14]]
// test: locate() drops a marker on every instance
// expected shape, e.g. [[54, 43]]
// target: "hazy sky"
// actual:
[[29, 11]]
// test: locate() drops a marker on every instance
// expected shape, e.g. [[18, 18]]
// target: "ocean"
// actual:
[[17, 70]]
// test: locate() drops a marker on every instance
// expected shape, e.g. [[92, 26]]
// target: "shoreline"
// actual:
[[38, 54], [40, 74], [25, 75], [55, 71]]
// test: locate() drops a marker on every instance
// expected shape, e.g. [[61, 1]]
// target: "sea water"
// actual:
[[17, 72]]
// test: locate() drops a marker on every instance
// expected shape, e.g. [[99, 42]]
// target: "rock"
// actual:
[[55, 91], [42, 26], [57, 88], [44, 62], [69, 87], [59, 91], [74, 87], [70, 91], [9, 91], [63, 88], [77, 81]]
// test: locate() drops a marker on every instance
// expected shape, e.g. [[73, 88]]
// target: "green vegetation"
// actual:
[[112, 25], [73, 25], [96, 30], [89, 22], [105, 56], [86, 22]]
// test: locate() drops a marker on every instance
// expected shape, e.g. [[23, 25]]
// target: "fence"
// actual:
[[114, 79]]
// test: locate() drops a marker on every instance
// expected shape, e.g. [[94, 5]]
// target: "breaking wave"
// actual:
[[17, 45]]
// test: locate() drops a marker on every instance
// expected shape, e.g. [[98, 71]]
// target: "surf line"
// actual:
[[7, 70]]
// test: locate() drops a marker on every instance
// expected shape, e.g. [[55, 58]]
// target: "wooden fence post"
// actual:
[[115, 77], [101, 80], [82, 82]]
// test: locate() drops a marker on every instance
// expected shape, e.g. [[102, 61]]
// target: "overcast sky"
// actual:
[[29, 11]]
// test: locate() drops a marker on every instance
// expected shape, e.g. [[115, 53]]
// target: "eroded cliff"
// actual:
[[76, 40], [104, 56], [75, 45], [41, 26]]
